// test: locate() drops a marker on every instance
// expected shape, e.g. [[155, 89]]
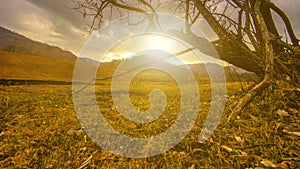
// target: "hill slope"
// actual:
[[14, 42], [30, 67]]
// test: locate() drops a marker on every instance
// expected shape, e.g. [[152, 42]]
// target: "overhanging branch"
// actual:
[[287, 23]]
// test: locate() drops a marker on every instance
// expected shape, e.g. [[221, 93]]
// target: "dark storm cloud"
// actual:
[[61, 9]]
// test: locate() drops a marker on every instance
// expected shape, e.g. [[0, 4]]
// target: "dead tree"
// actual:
[[247, 33]]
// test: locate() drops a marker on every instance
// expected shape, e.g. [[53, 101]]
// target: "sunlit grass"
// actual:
[[39, 129]]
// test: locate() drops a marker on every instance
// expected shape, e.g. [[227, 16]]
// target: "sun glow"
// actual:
[[159, 42], [110, 55], [130, 47], [126, 55]]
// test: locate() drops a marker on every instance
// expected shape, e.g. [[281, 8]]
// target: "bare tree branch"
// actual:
[[287, 23]]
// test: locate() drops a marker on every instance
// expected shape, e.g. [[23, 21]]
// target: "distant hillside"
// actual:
[[16, 43], [233, 74], [15, 66], [30, 67], [200, 70]]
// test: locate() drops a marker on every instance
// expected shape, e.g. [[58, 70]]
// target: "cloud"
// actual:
[[27, 19], [67, 23], [61, 10], [17, 13], [49, 21]]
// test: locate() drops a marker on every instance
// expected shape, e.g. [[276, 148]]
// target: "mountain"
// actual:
[[88, 61], [232, 73], [203, 68], [16, 43], [23, 59]]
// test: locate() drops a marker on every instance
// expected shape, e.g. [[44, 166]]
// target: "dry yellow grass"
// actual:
[[30, 67], [39, 129]]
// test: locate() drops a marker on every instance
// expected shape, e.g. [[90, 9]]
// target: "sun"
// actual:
[[126, 55], [129, 47], [159, 42]]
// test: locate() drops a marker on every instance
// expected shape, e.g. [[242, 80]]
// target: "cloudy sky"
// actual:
[[51, 22], [45, 20]]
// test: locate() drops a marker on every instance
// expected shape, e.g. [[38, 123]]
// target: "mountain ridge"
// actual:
[[11, 41]]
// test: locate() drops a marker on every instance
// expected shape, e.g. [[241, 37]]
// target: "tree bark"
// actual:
[[267, 16], [222, 49], [229, 48]]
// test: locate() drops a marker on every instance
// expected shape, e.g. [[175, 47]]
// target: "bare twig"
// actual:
[[87, 161]]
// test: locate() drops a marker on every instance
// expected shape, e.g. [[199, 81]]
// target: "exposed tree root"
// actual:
[[268, 50], [249, 96]]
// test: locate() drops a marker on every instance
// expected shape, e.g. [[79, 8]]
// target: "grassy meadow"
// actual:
[[39, 129], [32, 67]]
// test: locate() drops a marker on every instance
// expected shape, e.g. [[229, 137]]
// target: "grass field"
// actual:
[[39, 129], [31, 67]]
